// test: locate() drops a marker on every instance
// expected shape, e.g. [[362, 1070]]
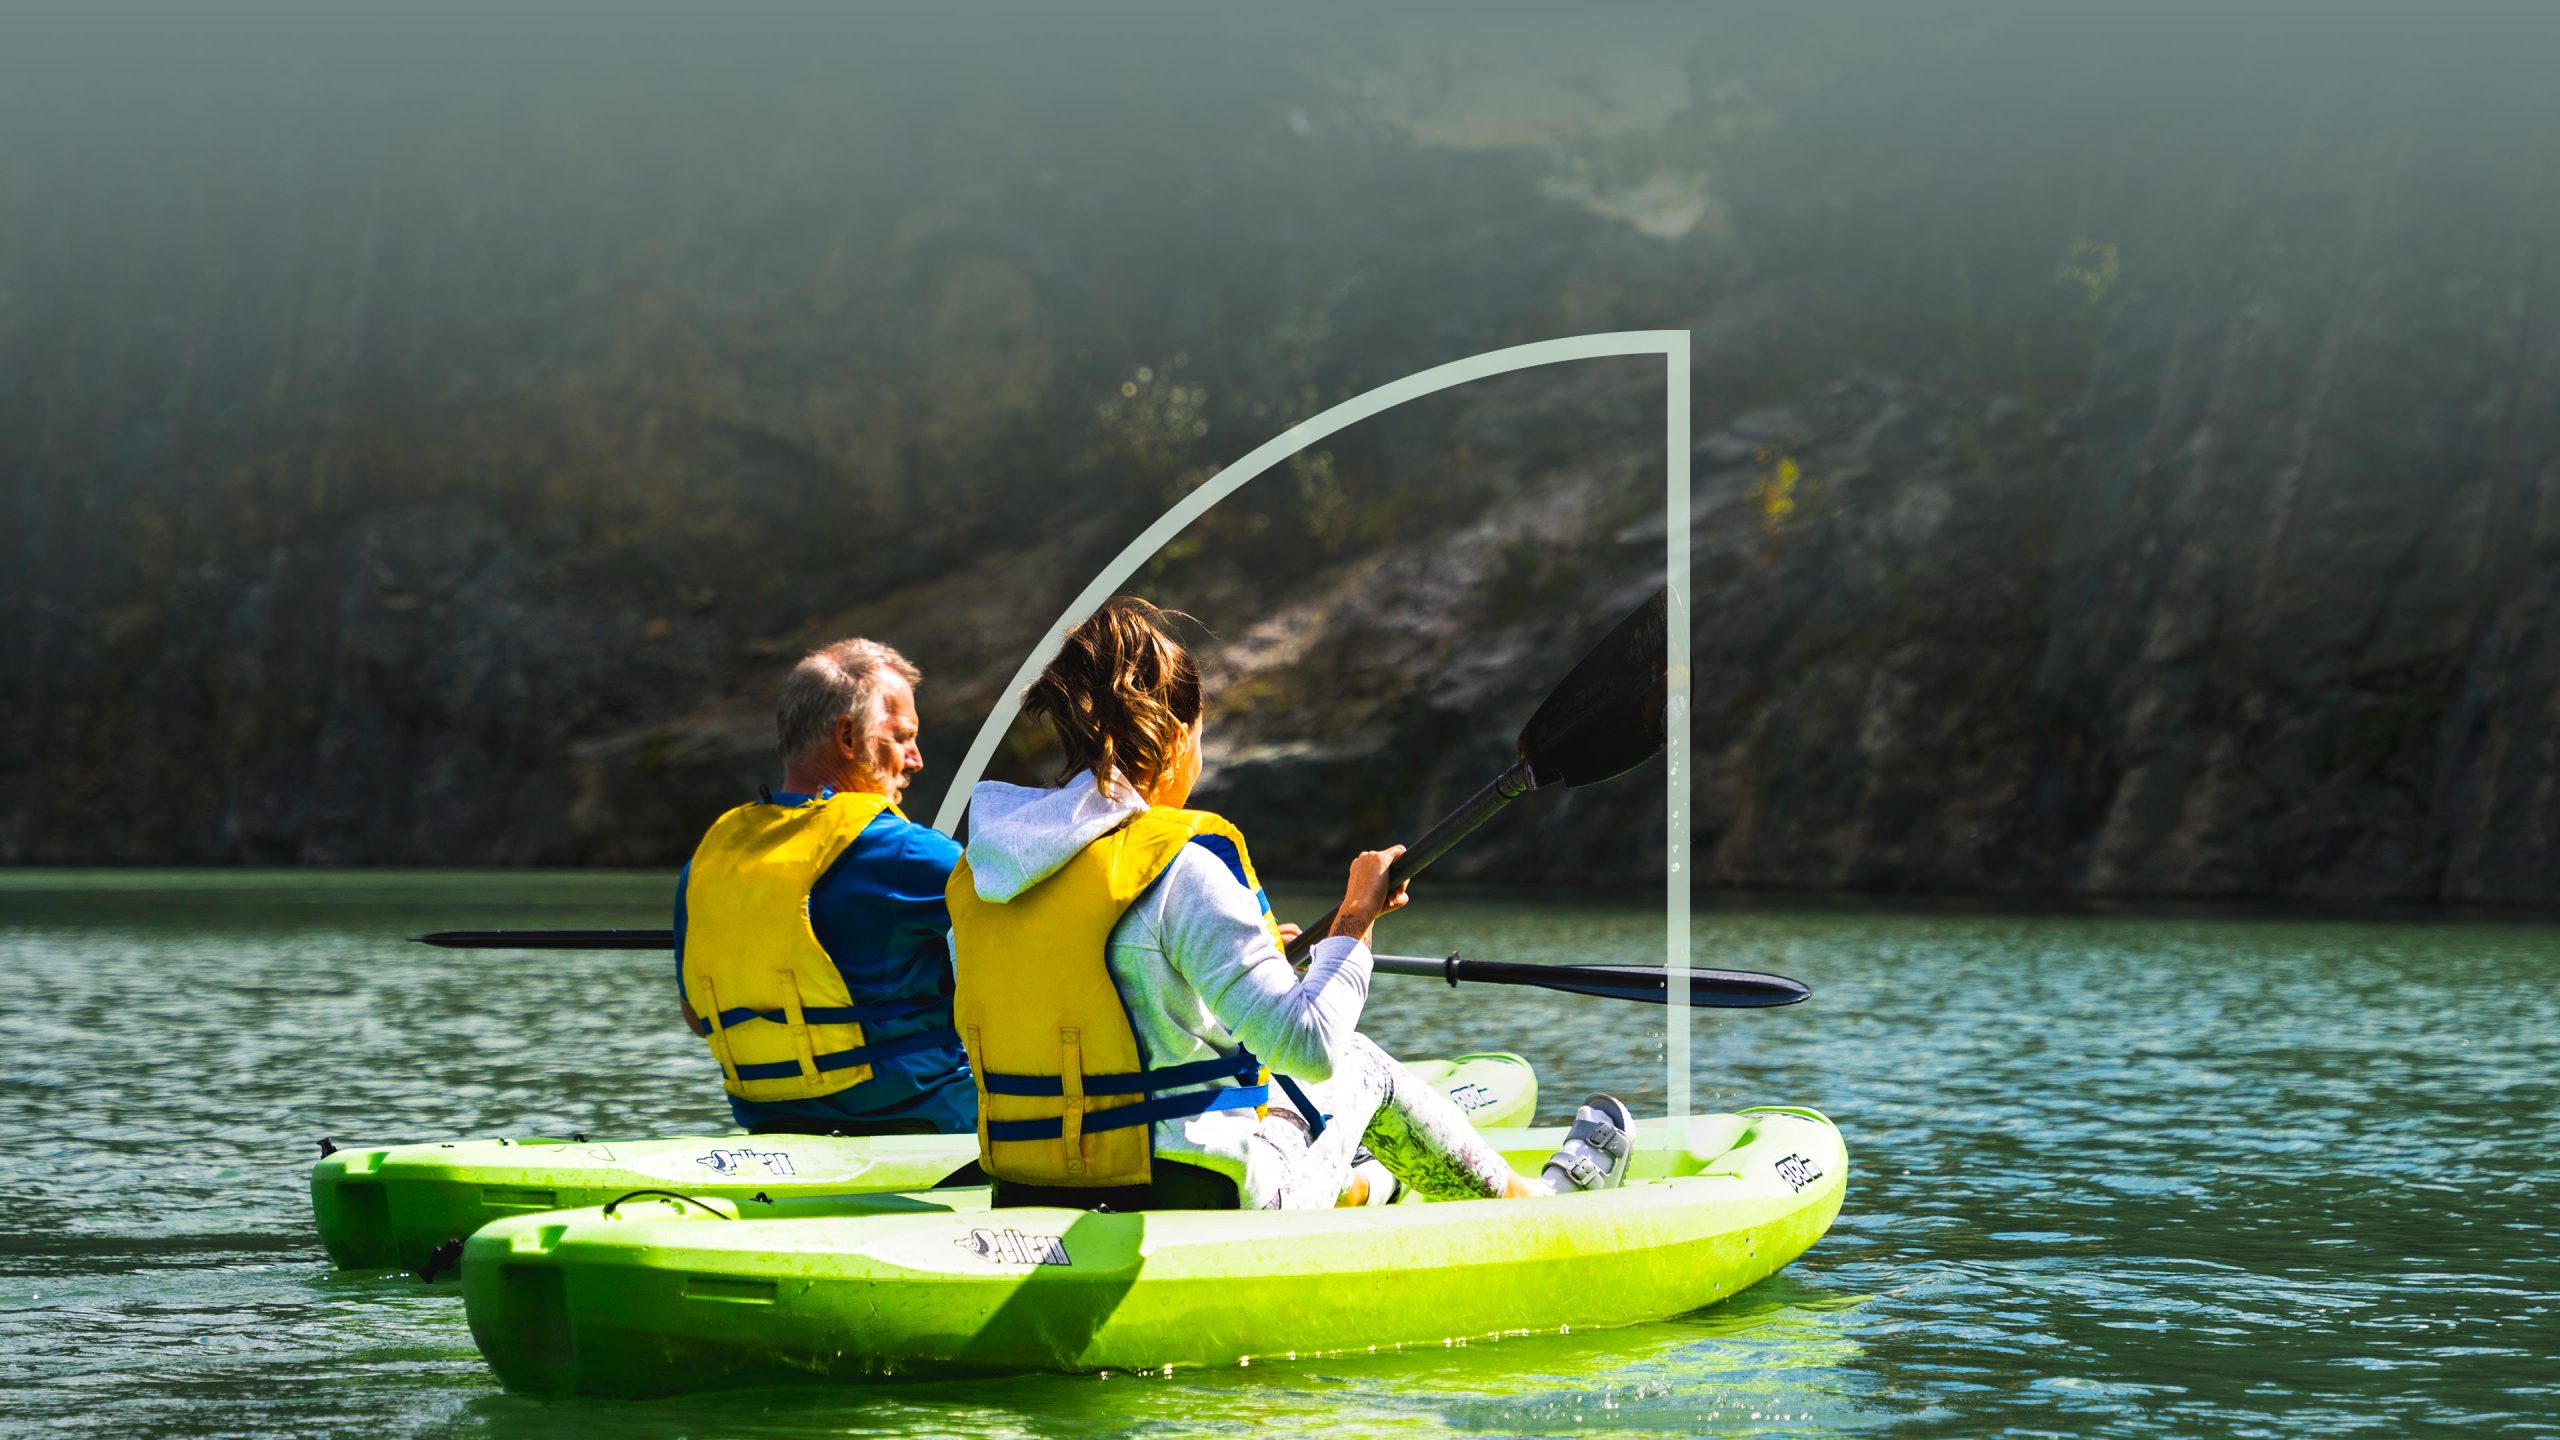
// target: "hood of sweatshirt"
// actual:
[[1019, 836]]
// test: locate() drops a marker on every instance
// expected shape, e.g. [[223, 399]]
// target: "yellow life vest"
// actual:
[[764, 992], [1065, 1095]]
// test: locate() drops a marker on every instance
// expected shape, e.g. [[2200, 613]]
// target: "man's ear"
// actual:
[[849, 735]]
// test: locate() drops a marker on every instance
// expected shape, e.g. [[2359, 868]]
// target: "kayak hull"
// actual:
[[383, 1207], [665, 1296]]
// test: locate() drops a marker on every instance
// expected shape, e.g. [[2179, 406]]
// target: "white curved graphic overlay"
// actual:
[[1673, 346]]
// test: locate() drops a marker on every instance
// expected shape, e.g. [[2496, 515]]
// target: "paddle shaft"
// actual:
[[1510, 785]]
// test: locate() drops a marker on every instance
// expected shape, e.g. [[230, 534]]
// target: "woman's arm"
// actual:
[[1214, 938]]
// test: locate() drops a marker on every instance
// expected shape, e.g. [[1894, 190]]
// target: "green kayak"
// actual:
[[661, 1295], [379, 1208]]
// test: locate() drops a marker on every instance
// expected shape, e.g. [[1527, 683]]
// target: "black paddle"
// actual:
[[1601, 721], [1645, 984], [550, 939]]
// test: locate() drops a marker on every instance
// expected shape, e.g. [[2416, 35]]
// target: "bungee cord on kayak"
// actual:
[[676, 1195]]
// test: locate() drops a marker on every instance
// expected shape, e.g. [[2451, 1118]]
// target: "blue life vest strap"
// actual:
[[1145, 1112], [1243, 1067], [828, 1014], [858, 1055], [1306, 1107]]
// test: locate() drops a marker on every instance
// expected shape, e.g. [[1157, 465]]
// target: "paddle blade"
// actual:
[[1605, 719], [550, 939], [1648, 984], [1708, 989]]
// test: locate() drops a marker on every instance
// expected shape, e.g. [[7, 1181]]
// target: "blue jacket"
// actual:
[[879, 913]]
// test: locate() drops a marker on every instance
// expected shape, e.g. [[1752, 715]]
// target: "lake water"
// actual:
[[2111, 1174]]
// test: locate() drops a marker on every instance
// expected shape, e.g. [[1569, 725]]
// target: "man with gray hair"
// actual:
[[812, 943]]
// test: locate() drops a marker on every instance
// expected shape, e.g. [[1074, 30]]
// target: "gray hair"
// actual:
[[841, 679]]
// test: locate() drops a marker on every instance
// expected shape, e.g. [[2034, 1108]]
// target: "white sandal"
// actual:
[[1597, 1150]]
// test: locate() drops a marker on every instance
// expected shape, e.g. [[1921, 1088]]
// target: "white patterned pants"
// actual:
[[1418, 1133]]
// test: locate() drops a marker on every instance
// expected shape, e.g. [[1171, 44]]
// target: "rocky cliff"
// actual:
[[2127, 455]]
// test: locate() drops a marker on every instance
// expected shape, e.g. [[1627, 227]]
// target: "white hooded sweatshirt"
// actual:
[[1190, 956]]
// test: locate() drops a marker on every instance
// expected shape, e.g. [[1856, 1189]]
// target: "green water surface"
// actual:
[[2111, 1175]]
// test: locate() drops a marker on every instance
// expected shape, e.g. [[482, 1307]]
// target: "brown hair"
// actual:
[[1120, 693]]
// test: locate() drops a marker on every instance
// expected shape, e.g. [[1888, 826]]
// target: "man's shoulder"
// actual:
[[916, 837], [892, 840]]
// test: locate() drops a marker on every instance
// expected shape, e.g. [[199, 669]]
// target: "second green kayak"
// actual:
[[380, 1207]]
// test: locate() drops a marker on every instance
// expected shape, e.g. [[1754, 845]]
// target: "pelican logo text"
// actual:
[[1012, 1247], [1798, 1171], [1471, 1098], [730, 1162]]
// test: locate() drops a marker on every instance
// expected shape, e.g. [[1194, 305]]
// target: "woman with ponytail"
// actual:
[[1136, 1034]]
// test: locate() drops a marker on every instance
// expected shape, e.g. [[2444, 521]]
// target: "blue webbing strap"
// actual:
[[1225, 850], [828, 1014], [1145, 1112], [1306, 1107], [1241, 1068], [858, 1055]]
